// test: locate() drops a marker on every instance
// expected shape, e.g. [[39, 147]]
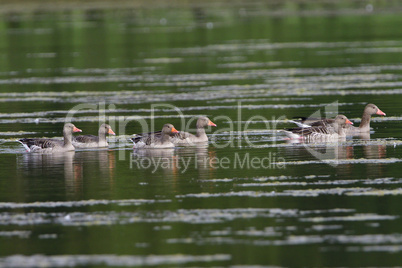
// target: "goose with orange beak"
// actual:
[[369, 110], [43, 145], [186, 138], [364, 127], [324, 132], [91, 141], [157, 140], [182, 138]]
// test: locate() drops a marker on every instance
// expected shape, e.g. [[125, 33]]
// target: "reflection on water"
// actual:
[[72, 167], [156, 160], [202, 157], [102, 160], [336, 203], [194, 161], [342, 155], [42, 165]]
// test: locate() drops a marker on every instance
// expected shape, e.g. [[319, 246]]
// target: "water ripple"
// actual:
[[55, 204], [39, 261]]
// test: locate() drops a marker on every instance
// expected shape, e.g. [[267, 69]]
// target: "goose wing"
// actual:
[[86, 138], [147, 138], [32, 144]]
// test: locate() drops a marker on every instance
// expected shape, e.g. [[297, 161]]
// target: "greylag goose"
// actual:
[[43, 145], [325, 131], [185, 138], [157, 139], [364, 126], [91, 141]]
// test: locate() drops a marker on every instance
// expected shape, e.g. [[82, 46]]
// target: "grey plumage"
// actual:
[[45, 145], [369, 110], [325, 131], [185, 138], [159, 139], [92, 141]]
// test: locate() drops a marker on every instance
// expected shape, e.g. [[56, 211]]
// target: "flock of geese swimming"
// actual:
[[325, 129], [309, 129]]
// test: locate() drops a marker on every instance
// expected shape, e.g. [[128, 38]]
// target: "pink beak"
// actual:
[[210, 123], [75, 129], [349, 122], [379, 112]]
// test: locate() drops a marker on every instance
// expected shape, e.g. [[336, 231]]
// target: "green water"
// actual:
[[248, 198]]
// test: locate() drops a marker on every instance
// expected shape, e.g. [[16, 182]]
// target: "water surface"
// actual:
[[249, 197]]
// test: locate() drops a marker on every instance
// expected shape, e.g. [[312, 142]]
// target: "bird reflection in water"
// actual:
[[154, 160], [102, 160], [72, 166], [202, 157], [348, 149], [96, 165], [49, 166], [192, 161], [363, 149]]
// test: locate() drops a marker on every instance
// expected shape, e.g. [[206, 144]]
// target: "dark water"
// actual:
[[248, 198]]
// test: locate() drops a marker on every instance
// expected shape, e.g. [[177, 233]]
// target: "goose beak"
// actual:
[[349, 122], [379, 112], [111, 132], [174, 130], [75, 129], [210, 123]]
